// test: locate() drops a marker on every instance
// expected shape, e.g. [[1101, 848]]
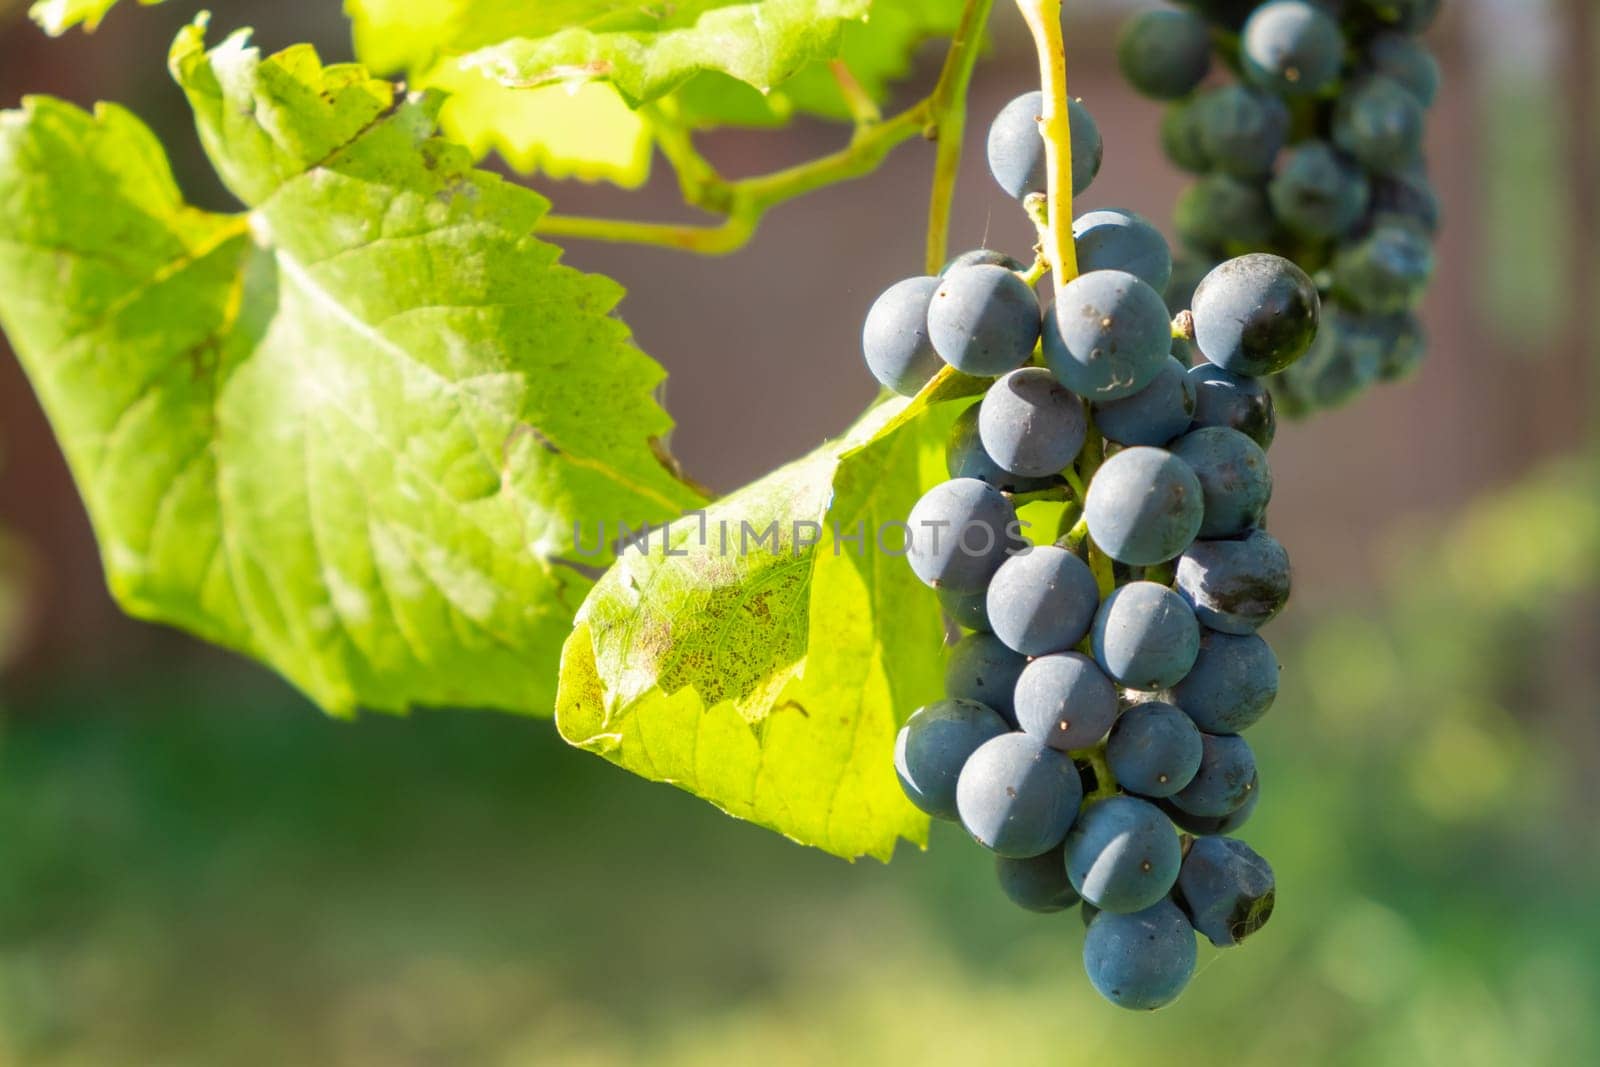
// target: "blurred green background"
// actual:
[[197, 868]]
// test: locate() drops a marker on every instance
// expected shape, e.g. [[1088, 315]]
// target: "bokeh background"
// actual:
[[196, 867]]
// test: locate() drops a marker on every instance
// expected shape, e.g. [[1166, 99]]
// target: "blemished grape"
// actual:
[[1042, 601], [1235, 479], [1030, 424], [1380, 123], [982, 669], [1037, 883], [1292, 47], [1232, 685], [1319, 193], [1108, 335], [1164, 54], [1213, 825], [1407, 62], [1256, 314], [1235, 586], [1144, 506], [1386, 273], [934, 745], [1225, 780], [1226, 889], [1065, 701], [1114, 239], [1180, 138], [1154, 749], [1242, 129], [1146, 637], [1016, 147], [1220, 212], [1123, 854], [1155, 414], [1222, 398], [984, 320], [965, 458], [967, 610], [1017, 797], [983, 257], [959, 533], [895, 337], [1141, 961]]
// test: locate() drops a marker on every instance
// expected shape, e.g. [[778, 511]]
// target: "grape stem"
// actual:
[[1055, 231], [940, 116]]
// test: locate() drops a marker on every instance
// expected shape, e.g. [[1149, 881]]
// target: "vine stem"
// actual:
[[1044, 23], [949, 101]]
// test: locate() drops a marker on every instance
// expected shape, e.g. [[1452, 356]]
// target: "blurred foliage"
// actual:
[[201, 870]]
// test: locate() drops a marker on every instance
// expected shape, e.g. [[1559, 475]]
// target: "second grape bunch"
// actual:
[[1090, 735]]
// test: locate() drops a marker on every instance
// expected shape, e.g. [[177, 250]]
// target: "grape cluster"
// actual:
[[1312, 152], [1090, 731]]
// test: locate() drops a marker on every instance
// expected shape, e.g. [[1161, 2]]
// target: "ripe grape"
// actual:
[[1123, 854], [1154, 749], [1232, 685], [1165, 54], [1292, 47], [1223, 398], [1226, 889], [1319, 193], [1016, 147], [981, 668], [1242, 129], [983, 257], [965, 458], [968, 610], [1113, 239], [1144, 506], [895, 337], [959, 533], [1180, 138], [1380, 123], [1155, 414], [1386, 273], [1219, 212], [934, 745], [1146, 637], [1406, 197], [1042, 601], [1407, 62], [1065, 701], [1225, 780], [984, 320], [1256, 314], [1108, 335], [1030, 424], [1018, 797], [1141, 961], [1037, 883], [1213, 825], [1235, 478], [1235, 586]]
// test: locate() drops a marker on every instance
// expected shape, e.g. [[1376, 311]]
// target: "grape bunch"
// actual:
[[1313, 152], [1090, 735]]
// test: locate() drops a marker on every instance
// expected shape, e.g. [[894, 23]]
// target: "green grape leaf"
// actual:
[[768, 675], [349, 431], [56, 17]]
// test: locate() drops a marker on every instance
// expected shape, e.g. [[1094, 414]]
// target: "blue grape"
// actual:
[[1030, 424], [984, 320], [1114, 239], [1292, 48], [1154, 750], [1342, 362], [1222, 398], [1226, 889], [1065, 701], [934, 745], [1232, 685], [1256, 314], [1122, 854], [1380, 123], [1180, 138], [1108, 335], [959, 533], [1225, 780], [1213, 825], [1017, 797], [968, 610], [1220, 212], [1387, 272], [1042, 601], [1037, 883], [895, 337], [1406, 347], [1408, 63], [1144, 506], [965, 458], [1408, 198], [1155, 414], [1141, 961], [1016, 147], [1242, 129], [982, 669], [1164, 54], [983, 257], [1318, 193], [1235, 586], [1145, 636]]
